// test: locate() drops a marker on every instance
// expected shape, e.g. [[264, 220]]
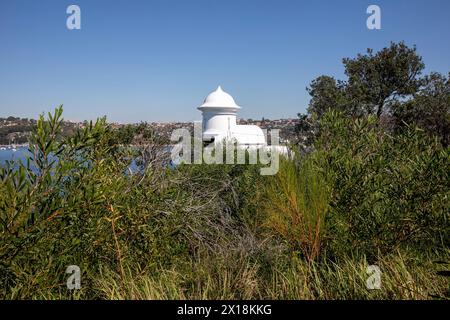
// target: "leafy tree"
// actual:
[[326, 93], [429, 109], [377, 80]]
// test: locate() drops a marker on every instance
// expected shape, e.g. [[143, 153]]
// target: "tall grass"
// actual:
[[401, 278]]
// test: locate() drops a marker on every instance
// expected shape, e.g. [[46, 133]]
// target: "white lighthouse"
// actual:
[[219, 121]]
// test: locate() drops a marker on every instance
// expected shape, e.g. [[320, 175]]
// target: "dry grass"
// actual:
[[401, 278]]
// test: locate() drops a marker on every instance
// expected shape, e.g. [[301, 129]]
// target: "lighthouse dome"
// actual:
[[219, 99], [219, 121]]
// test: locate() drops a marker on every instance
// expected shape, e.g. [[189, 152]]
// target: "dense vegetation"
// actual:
[[358, 192], [14, 130]]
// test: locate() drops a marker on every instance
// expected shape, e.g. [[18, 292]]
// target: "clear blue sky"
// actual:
[[156, 60]]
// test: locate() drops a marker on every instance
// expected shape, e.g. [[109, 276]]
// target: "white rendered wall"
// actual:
[[218, 123]]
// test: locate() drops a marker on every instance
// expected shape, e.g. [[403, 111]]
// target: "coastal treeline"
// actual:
[[367, 185]]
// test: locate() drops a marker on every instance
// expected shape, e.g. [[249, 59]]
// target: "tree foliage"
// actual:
[[387, 84], [375, 80], [429, 109]]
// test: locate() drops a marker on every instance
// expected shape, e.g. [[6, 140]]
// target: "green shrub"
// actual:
[[388, 191]]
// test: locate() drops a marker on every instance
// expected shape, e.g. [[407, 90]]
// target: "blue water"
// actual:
[[9, 154], [22, 152]]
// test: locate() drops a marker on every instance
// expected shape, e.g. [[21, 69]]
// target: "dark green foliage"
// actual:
[[376, 80], [429, 109], [71, 203], [389, 192], [326, 93]]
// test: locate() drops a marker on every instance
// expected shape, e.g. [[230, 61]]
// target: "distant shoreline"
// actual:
[[9, 146]]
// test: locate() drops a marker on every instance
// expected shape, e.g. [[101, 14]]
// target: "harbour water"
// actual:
[[19, 153], [10, 153]]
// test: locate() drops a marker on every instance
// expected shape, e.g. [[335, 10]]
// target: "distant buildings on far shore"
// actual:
[[14, 130]]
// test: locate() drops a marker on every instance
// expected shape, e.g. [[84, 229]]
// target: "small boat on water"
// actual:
[[2, 148], [13, 149]]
